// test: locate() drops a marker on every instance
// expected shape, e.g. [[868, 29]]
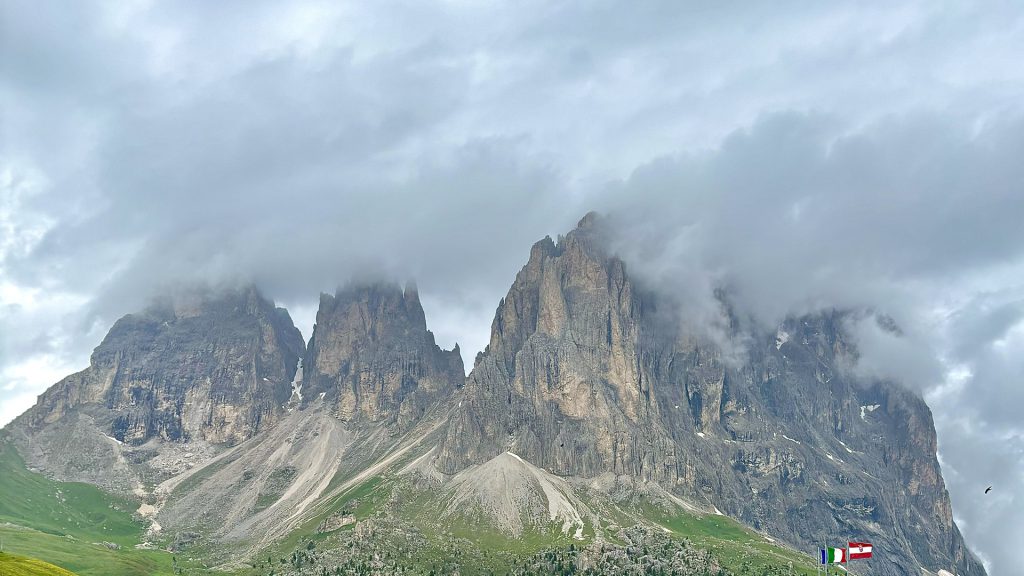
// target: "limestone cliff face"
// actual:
[[208, 366], [559, 382], [371, 357], [586, 373]]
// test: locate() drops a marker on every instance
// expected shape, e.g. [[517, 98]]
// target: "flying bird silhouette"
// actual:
[[987, 490]]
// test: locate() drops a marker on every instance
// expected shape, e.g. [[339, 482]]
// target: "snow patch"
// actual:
[[869, 475], [781, 337], [790, 439], [834, 459], [868, 408], [297, 384], [701, 434], [115, 440]]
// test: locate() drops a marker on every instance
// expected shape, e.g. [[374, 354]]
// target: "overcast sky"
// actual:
[[804, 154]]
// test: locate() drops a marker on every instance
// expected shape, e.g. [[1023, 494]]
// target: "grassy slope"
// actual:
[[13, 565], [65, 523], [739, 549], [735, 545], [85, 558], [75, 509]]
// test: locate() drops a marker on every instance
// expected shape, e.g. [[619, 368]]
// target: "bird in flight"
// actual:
[[987, 490]]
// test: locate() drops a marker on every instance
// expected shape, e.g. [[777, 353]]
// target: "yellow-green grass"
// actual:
[[85, 558], [14, 565]]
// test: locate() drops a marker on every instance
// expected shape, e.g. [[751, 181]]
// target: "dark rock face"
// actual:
[[372, 358], [585, 373], [210, 366]]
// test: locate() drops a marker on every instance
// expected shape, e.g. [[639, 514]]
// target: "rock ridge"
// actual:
[[586, 373], [371, 357], [212, 366]]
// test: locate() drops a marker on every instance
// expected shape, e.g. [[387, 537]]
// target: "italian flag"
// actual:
[[833, 555]]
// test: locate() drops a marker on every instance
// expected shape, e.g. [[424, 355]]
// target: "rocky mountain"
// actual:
[[198, 408], [374, 386], [372, 358], [206, 368], [586, 373], [598, 416]]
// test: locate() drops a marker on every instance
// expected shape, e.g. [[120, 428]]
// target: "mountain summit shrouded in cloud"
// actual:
[[799, 157], [595, 404]]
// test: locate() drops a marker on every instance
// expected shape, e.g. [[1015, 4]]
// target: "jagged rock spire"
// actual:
[[371, 356]]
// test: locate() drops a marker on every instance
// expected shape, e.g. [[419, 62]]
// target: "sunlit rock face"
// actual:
[[586, 372], [371, 357]]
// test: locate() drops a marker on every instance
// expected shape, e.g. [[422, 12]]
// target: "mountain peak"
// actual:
[[205, 365], [372, 357], [582, 377], [589, 220]]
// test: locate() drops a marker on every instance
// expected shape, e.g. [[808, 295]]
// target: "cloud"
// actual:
[[913, 217], [793, 212], [803, 155]]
